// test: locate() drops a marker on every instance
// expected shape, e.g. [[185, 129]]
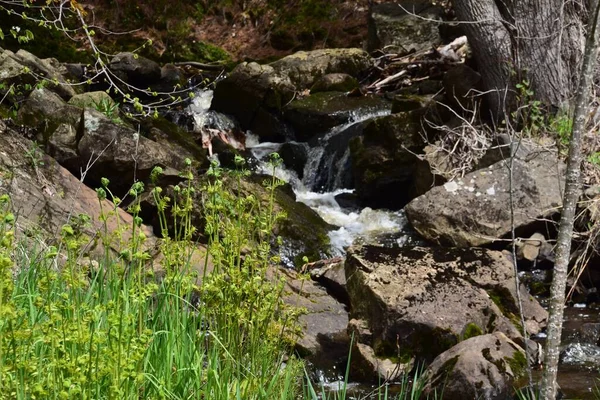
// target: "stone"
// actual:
[[303, 68], [332, 276], [483, 367], [529, 249], [337, 82], [475, 210], [48, 69], [390, 27], [93, 100], [419, 302], [119, 153], [384, 159], [44, 195], [135, 69], [460, 83], [367, 367], [45, 111], [324, 333], [316, 114], [255, 94]]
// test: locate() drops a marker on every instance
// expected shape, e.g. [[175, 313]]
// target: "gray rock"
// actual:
[[93, 100], [475, 210], [49, 68], [120, 152], [333, 277], [397, 31], [305, 67], [483, 367], [44, 195], [337, 82], [324, 325], [425, 300], [46, 111], [316, 114], [135, 69], [255, 94]]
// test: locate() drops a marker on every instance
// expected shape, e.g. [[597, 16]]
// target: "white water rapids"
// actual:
[[366, 224]]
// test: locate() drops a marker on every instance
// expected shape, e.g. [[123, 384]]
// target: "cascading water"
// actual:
[[326, 175]]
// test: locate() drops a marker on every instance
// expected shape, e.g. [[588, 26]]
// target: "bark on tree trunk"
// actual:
[[538, 40], [491, 44], [571, 195]]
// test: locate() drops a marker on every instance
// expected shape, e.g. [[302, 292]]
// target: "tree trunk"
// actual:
[[491, 44], [571, 196], [537, 40]]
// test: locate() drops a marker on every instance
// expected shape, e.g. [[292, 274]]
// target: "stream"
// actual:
[[325, 185]]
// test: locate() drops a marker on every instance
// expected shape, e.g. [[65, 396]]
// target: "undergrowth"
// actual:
[[111, 328]]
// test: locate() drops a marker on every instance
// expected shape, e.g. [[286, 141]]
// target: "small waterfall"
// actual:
[[325, 177], [328, 166], [326, 174]]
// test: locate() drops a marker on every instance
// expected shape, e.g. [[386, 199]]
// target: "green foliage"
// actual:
[[108, 328], [594, 158], [109, 108], [529, 113]]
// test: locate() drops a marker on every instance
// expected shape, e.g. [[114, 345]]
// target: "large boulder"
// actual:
[[316, 114], [405, 26], [135, 69], [483, 367], [475, 210], [45, 196], [324, 339], [384, 159], [49, 69], [420, 301], [120, 153], [305, 67], [255, 94]]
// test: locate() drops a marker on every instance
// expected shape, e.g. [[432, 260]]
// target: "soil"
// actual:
[[247, 30]]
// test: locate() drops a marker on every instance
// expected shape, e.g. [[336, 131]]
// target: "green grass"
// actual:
[[71, 329], [108, 327]]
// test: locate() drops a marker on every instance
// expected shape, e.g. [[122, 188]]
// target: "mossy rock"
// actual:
[[319, 112], [178, 135], [335, 83], [93, 100]]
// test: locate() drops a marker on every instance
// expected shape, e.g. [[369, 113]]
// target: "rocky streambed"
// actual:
[[408, 257]]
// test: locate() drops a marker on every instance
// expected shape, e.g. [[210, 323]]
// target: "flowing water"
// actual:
[[327, 176]]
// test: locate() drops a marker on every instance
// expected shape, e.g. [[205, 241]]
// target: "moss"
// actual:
[[503, 299], [177, 135], [471, 330], [47, 41], [517, 363]]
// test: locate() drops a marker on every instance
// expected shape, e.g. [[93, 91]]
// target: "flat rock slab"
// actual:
[[475, 210], [425, 300], [324, 326]]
